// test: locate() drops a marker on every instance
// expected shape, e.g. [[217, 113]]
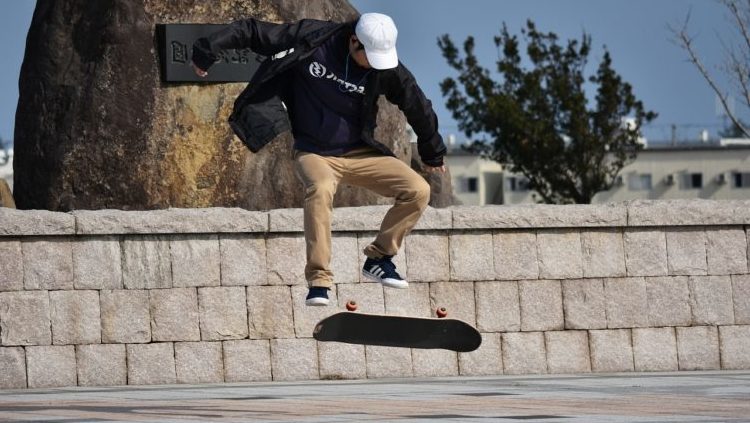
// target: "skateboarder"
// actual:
[[329, 77]]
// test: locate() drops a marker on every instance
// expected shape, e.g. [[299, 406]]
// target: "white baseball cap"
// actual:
[[378, 33]]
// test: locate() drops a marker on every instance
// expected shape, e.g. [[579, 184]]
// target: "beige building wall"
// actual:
[[672, 172], [476, 181]]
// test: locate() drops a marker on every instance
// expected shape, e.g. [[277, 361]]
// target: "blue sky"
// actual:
[[634, 31]]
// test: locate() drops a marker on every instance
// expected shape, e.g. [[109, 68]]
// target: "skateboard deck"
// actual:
[[398, 331]]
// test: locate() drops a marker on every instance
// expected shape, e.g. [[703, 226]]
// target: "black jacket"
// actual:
[[259, 115]]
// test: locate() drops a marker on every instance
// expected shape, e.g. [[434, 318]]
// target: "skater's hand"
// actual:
[[438, 169], [198, 71]]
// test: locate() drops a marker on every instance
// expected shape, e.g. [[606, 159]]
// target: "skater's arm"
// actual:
[[404, 92], [261, 37]]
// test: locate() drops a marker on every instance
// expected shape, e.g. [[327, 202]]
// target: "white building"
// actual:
[[716, 171], [6, 166]]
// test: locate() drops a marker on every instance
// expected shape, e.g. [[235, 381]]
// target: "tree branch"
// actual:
[[686, 42]]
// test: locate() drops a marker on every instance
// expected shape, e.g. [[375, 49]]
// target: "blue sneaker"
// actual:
[[384, 271], [317, 296]]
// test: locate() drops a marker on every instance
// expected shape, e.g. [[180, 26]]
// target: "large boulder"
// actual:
[[97, 128]]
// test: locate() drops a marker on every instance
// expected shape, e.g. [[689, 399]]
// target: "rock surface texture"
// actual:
[[96, 127]]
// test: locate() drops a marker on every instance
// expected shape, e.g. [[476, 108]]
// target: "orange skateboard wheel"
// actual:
[[441, 312], [351, 305]]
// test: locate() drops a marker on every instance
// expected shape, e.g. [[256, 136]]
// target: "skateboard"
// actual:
[[398, 331]]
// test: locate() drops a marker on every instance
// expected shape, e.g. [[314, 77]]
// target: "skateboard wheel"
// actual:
[[441, 312], [351, 305]]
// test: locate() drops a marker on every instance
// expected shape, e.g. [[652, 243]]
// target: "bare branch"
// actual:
[[740, 20], [686, 42]]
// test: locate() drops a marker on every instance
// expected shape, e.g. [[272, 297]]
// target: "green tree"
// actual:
[[537, 121]]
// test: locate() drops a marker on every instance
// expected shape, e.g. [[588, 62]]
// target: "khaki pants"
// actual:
[[385, 175]]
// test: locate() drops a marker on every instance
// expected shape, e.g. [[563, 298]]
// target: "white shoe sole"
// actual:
[[391, 283], [318, 302]]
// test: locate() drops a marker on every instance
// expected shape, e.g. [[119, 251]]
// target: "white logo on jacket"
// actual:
[[319, 71]]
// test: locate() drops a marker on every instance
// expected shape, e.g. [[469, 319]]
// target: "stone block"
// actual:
[[247, 361], [626, 302], [498, 307], [196, 261], [199, 362], [414, 301], [541, 305], [365, 239], [540, 216], [698, 348], [603, 253], [151, 364], [243, 260], [286, 220], [294, 359], [101, 365], [560, 255], [726, 251], [170, 221], [47, 263], [35, 222], [75, 316], [51, 366], [711, 300], [146, 262], [174, 315], [12, 368], [457, 298], [734, 345], [668, 299], [611, 350], [11, 261], [434, 363], [524, 353], [286, 259], [97, 263], [584, 304], [435, 219], [471, 256], [385, 362], [568, 352], [345, 258], [428, 256], [686, 251], [685, 212], [222, 313], [271, 313], [305, 318], [645, 252], [485, 360], [741, 299], [25, 318], [655, 350], [368, 296], [342, 361], [515, 255], [125, 316]]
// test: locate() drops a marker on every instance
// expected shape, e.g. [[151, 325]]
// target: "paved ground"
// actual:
[[651, 397]]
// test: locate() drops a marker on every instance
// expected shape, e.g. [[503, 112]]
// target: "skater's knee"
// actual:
[[324, 188], [418, 192]]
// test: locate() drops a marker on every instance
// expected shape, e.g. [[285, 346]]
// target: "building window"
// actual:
[[640, 182], [695, 181], [518, 184], [472, 184], [742, 180]]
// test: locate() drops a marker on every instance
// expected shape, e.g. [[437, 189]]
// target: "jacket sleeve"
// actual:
[[261, 37], [404, 92]]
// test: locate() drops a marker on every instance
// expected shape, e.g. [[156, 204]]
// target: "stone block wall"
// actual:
[[96, 298]]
